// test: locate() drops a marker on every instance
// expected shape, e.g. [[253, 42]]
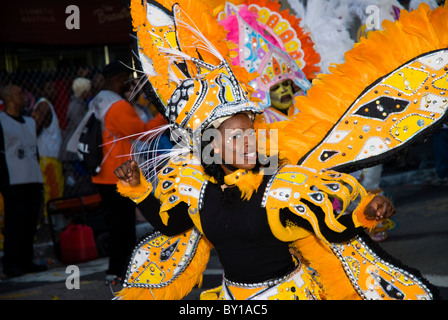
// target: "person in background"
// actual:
[[49, 140], [20, 183], [75, 176], [97, 84], [138, 102], [119, 120], [282, 102]]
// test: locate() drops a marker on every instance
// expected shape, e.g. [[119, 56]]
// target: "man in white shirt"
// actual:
[[20, 183]]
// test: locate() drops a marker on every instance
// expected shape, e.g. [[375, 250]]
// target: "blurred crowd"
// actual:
[[67, 92], [57, 101]]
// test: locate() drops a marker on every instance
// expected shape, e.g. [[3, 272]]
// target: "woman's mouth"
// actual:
[[250, 156]]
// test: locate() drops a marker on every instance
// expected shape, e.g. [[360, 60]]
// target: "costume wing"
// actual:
[[166, 268], [392, 113], [391, 91], [359, 269]]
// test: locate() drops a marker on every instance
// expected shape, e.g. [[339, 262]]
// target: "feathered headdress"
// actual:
[[186, 66], [271, 43]]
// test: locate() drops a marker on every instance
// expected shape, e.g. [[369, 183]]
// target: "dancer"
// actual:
[[269, 227]]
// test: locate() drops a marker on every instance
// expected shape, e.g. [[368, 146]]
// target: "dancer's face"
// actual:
[[238, 146], [282, 95]]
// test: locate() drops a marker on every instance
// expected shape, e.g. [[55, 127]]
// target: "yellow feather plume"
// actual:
[[246, 181]]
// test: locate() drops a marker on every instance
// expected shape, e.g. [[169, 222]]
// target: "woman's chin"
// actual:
[[248, 164]]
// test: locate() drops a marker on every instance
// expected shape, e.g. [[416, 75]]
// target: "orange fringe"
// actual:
[[181, 286], [336, 285], [137, 193], [247, 182], [415, 33]]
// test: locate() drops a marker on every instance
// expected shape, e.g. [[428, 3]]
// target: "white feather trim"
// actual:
[[328, 22], [413, 4]]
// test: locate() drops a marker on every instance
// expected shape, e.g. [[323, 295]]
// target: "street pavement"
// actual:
[[419, 240]]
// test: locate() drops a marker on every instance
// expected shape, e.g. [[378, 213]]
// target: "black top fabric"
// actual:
[[246, 247]]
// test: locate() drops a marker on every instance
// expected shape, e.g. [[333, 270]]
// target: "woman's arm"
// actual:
[[179, 218], [133, 185]]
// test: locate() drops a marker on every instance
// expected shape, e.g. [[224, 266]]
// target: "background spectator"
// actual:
[[120, 120], [20, 183], [49, 140], [77, 180]]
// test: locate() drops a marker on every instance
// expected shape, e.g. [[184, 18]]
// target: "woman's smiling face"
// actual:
[[238, 145]]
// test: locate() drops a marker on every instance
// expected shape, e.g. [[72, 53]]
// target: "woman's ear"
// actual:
[[215, 147], [216, 150]]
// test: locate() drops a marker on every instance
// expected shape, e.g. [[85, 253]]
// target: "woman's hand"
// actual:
[[379, 208], [128, 173]]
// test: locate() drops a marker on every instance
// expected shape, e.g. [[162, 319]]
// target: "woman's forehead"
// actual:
[[240, 120]]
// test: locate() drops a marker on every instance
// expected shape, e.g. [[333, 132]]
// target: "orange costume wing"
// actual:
[[391, 91]]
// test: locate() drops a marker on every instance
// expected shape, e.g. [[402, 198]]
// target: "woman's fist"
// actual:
[[128, 173], [379, 208]]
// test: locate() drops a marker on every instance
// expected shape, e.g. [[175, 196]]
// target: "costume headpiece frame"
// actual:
[[193, 81], [271, 43]]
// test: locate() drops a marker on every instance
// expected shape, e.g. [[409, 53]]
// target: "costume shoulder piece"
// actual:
[[182, 180], [358, 269], [298, 188], [166, 268]]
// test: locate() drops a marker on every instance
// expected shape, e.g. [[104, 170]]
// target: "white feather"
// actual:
[[146, 152], [201, 41], [413, 4], [328, 21]]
